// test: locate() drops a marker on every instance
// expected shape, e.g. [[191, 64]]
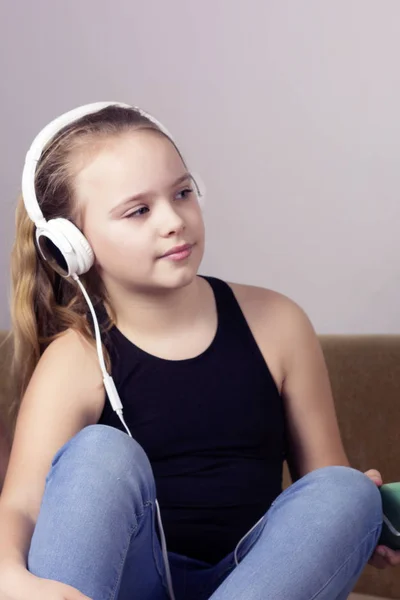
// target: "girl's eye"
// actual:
[[140, 212], [184, 194], [137, 213]]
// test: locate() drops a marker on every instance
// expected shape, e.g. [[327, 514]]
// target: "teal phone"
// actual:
[[390, 536]]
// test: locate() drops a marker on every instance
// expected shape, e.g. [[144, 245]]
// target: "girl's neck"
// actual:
[[148, 315]]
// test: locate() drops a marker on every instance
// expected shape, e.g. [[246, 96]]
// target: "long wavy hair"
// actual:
[[43, 303]]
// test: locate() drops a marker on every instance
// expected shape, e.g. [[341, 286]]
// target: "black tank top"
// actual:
[[212, 427]]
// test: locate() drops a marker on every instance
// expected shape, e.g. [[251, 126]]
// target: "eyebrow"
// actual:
[[143, 195]]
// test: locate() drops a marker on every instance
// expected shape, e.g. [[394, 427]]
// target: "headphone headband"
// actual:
[[46, 135]]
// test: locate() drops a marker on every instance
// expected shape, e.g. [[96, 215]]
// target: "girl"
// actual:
[[219, 384]]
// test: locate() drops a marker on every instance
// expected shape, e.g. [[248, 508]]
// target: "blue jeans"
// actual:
[[97, 531]]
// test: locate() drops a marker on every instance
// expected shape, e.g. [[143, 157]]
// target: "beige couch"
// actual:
[[365, 377]]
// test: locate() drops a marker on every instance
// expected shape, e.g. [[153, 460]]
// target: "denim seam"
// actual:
[[122, 563], [161, 574], [372, 531]]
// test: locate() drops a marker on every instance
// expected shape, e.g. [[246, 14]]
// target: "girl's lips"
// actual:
[[179, 252]]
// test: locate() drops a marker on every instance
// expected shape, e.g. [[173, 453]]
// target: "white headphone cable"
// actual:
[[117, 406]]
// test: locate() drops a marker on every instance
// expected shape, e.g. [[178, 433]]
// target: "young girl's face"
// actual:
[[137, 202]]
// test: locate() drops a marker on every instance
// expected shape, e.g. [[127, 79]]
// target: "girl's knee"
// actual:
[[350, 491], [106, 454], [105, 442]]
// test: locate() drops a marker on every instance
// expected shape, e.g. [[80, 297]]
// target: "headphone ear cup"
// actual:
[[64, 247]]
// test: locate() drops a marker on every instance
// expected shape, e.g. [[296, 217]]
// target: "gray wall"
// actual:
[[290, 111]]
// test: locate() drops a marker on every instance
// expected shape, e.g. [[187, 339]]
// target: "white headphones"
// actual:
[[59, 241]]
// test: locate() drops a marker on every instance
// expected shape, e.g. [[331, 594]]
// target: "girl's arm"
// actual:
[[64, 395]]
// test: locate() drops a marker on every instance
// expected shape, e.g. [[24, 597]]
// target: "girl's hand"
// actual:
[[383, 556], [19, 584]]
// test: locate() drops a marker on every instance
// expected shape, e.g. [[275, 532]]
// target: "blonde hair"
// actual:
[[43, 304]]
